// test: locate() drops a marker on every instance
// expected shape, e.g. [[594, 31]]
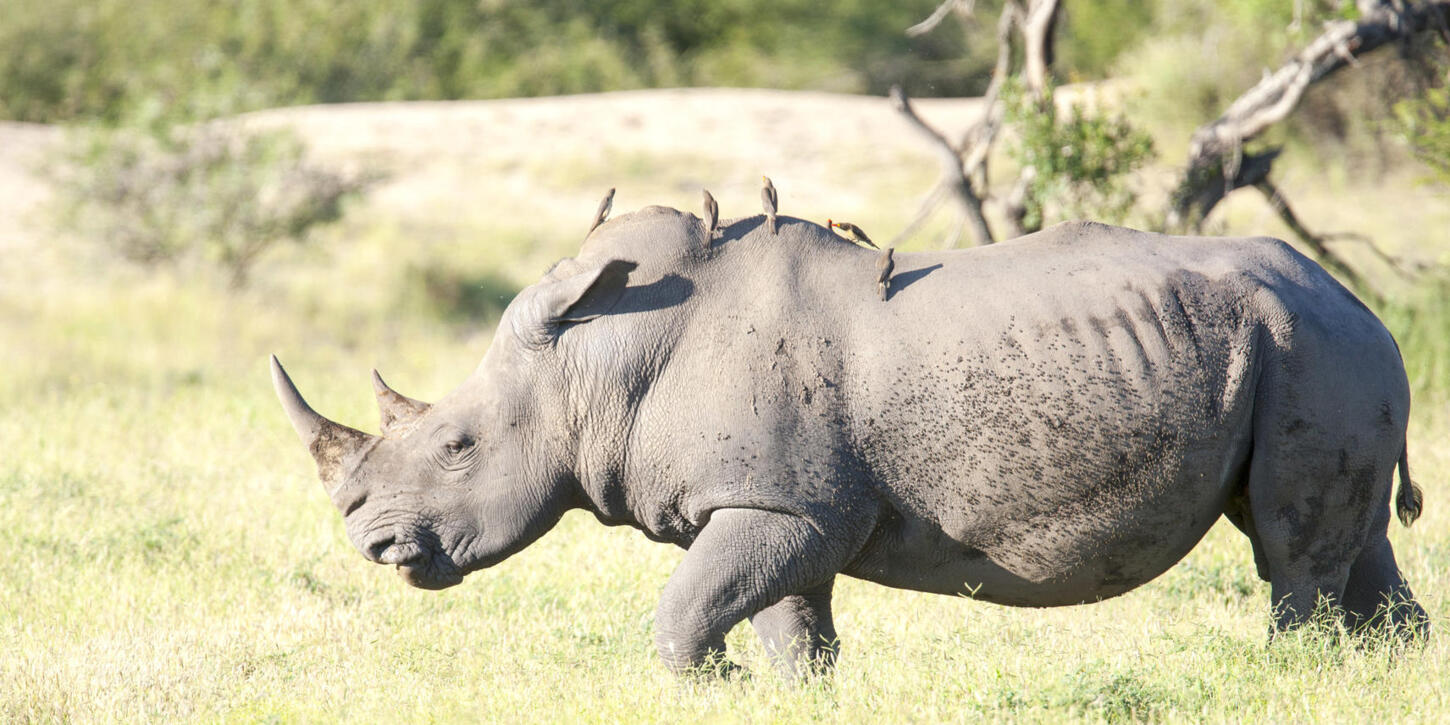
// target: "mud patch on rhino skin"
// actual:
[[1363, 480], [1333, 557], [1305, 528], [1289, 516], [330, 446], [1386, 418]]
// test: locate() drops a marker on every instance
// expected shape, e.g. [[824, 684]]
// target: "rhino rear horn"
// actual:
[[399, 412], [329, 443]]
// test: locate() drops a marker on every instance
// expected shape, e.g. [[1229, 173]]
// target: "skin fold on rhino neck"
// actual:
[[606, 385]]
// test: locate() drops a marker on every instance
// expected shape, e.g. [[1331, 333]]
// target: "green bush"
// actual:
[[1079, 164], [102, 59], [99, 59], [212, 193], [1092, 34], [1425, 125]]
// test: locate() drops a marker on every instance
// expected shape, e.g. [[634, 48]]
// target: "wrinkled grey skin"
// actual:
[[1049, 421]]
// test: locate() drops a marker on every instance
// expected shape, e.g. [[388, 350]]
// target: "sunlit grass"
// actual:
[[173, 558]]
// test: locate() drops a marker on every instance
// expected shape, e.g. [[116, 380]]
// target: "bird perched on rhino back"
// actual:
[[712, 212], [853, 232], [602, 212], [769, 202], [711, 220], [884, 266]]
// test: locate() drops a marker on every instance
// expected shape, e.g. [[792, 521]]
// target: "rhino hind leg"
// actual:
[[1377, 599], [1306, 565], [1318, 503]]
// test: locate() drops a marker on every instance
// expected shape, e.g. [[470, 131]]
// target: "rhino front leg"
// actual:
[[798, 631], [744, 561]]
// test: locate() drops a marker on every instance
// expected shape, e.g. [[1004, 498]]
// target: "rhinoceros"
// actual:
[[1048, 421]]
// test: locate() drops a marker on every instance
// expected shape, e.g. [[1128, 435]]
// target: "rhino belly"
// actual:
[[1044, 564], [1080, 515]]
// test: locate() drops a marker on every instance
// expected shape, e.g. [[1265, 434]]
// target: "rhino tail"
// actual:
[[1409, 500]]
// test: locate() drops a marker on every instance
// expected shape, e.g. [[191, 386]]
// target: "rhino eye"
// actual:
[[458, 445]]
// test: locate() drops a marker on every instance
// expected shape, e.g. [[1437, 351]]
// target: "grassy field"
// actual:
[[173, 557]]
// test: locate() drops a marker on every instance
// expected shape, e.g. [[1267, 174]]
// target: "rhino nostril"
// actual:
[[378, 548], [355, 505]]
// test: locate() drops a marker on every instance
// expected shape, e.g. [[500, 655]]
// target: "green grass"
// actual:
[[173, 557]]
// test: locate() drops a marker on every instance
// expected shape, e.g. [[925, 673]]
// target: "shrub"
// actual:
[[216, 192], [1425, 125], [1079, 164], [86, 60]]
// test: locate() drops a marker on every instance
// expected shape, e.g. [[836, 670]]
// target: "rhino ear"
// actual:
[[586, 295], [399, 412]]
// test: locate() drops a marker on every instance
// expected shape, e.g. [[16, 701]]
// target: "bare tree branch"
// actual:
[[978, 139], [963, 8], [1014, 207], [954, 237], [1393, 262], [964, 166], [1215, 151], [953, 176], [1326, 256], [1037, 26]]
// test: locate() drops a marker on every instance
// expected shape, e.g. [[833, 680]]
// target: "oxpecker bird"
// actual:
[[854, 233], [768, 200], [605, 205], [712, 214], [884, 265]]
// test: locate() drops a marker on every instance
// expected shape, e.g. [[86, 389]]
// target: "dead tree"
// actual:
[[1315, 242], [964, 177], [1217, 162]]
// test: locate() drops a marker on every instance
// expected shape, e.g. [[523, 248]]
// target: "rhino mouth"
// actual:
[[421, 566], [429, 577], [428, 570]]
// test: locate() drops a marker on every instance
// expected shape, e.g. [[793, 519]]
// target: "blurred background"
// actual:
[[188, 187]]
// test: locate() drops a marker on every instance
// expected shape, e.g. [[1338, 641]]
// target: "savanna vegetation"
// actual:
[[76, 60], [172, 556]]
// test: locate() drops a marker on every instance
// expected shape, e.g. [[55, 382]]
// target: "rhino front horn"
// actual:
[[330, 443], [399, 412]]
